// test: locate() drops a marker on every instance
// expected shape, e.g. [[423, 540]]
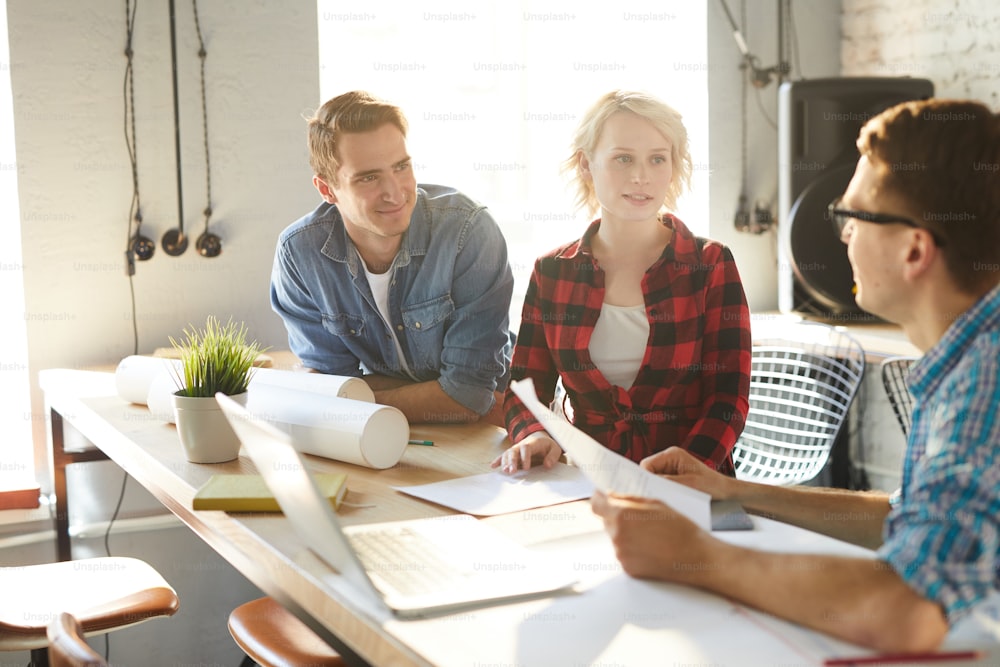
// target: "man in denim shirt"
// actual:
[[921, 218], [406, 286]]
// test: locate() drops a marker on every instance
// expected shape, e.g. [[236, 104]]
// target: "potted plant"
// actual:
[[217, 358]]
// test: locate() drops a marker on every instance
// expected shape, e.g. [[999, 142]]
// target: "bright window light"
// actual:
[[16, 460], [493, 92]]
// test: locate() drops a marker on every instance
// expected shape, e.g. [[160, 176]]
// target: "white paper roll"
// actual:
[[136, 374], [160, 398], [343, 429], [318, 383]]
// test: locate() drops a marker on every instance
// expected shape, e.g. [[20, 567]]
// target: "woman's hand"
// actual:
[[536, 448]]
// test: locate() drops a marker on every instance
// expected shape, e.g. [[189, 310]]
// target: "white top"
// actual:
[[618, 342], [379, 284]]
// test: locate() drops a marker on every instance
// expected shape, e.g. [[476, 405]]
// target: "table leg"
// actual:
[[64, 548], [58, 460]]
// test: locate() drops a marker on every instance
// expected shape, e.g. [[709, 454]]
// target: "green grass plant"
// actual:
[[217, 358]]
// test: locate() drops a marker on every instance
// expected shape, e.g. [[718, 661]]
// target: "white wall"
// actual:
[[67, 71], [14, 402]]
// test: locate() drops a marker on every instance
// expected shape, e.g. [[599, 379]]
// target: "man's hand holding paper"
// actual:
[[612, 473]]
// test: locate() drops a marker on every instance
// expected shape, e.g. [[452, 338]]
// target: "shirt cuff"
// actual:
[[479, 399], [951, 580]]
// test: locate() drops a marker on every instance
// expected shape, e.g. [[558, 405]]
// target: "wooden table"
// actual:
[[610, 618], [262, 547]]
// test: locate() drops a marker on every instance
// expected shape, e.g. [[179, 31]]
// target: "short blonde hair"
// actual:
[[356, 111], [664, 118]]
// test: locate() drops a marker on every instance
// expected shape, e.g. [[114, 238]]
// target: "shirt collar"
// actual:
[[682, 247], [927, 374]]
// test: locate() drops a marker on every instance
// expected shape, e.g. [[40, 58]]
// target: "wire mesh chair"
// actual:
[[894, 372], [803, 379]]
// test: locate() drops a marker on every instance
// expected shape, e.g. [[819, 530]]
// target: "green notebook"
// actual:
[[249, 493]]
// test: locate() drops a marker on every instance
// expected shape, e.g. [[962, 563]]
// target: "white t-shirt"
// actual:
[[618, 342], [379, 284]]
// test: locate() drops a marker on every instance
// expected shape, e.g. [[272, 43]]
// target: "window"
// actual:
[[494, 91], [16, 459]]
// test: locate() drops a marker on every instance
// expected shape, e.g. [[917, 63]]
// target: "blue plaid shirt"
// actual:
[[943, 535]]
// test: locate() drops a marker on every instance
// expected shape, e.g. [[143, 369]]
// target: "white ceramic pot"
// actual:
[[204, 432]]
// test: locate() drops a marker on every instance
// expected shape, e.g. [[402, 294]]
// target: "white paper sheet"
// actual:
[[496, 493], [611, 472]]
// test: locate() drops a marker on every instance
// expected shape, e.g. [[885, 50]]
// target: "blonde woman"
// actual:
[[646, 324]]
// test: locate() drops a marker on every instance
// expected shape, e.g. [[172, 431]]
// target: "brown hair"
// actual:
[[663, 117], [942, 157], [356, 111]]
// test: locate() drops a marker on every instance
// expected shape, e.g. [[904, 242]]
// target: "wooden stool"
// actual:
[[104, 594], [272, 637], [67, 646]]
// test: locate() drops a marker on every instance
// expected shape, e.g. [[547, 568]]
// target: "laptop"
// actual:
[[417, 568]]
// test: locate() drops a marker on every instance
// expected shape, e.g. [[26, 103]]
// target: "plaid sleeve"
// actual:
[[943, 537], [726, 351], [532, 359]]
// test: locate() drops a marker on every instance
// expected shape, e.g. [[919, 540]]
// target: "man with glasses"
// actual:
[[924, 246]]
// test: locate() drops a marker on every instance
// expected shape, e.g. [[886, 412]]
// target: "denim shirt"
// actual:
[[449, 299]]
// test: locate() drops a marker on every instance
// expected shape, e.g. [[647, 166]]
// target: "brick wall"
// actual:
[[954, 43]]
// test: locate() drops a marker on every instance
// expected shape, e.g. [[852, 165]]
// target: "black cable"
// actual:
[[202, 53], [743, 107], [114, 515], [135, 323], [793, 37], [763, 111], [135, 208], [107, 550], [177, 121], [134, 213], [782, 41]]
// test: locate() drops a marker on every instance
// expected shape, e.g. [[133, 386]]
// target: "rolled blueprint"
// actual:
[[150, 381], [328, 385], [358, 432], [136, 374]]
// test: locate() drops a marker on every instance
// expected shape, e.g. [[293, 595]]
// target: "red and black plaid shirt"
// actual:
[[692, 387]]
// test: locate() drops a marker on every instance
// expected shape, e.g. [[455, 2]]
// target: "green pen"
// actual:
[[426, 443]]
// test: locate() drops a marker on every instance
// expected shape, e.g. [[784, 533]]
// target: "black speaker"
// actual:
[[818, 124]]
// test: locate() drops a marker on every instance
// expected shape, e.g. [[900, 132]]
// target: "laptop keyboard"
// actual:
[[406, 560]]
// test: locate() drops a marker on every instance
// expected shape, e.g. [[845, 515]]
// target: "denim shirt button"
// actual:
[[353, 332], [399, 327], [416, 324]]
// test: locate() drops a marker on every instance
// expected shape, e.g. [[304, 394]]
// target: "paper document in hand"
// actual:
[[611, 472], [496, 493]]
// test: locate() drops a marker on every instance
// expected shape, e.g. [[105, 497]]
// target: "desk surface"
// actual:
[[612, 619]]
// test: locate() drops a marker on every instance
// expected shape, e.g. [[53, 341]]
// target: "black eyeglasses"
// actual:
[[843, 225]]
